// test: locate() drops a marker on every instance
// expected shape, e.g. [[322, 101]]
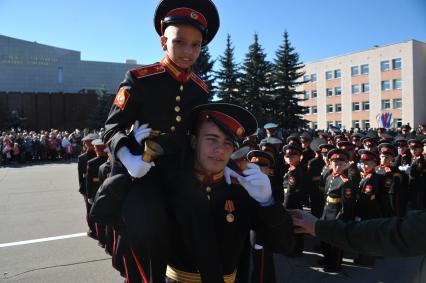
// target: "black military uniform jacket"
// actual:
[[295, 186], [234, 213], [92, 180], [82, 169], [392, 183], [353, 173], [307, 155], [373, 200], [161, 94], [340, 198], [314, 170]]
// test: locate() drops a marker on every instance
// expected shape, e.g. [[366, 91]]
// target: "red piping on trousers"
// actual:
[[141, 271]]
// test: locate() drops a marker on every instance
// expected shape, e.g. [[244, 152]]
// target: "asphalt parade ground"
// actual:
[[43, 237]]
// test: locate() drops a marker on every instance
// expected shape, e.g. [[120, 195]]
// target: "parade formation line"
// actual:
[[42, 240]]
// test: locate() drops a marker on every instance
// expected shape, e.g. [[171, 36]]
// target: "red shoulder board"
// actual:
[[388, 170], [200, 82], [344, 179], [147, 71]]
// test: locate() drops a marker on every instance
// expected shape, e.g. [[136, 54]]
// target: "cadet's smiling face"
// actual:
[[212, 147], [182, 44]]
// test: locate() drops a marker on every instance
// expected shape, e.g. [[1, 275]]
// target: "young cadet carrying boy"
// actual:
[[160, 97]]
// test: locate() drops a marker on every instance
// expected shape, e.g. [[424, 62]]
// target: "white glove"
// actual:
[[134, 164], [405, 168], [255, 182], [140, 132]]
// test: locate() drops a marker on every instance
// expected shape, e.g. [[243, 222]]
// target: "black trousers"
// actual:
[[332, 256]]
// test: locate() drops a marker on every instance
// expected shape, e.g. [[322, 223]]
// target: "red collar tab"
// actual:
[[175, 71], [209, 178], [233, 125], [189, 13], [100, 150]]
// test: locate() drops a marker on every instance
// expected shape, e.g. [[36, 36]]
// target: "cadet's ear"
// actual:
[[193, 141], [163, 41]]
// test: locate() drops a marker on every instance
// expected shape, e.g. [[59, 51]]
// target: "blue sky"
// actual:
[[113, 31]]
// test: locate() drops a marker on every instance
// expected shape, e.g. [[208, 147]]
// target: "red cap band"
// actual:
[[236, 128], [187, 12]]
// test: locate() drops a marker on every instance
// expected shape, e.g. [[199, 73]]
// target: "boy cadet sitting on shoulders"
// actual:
[[161, 96]]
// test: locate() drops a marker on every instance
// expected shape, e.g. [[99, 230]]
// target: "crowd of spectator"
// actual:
[[21, 146]]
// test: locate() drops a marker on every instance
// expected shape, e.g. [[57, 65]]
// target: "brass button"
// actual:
[[177, 109], [178, 98], [208, 189], [178, 119], [172, 129]]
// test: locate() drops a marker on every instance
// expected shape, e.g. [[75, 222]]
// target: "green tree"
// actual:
[[228, 75], [203, 67], [98, 117], [256, 82], [286, 76]]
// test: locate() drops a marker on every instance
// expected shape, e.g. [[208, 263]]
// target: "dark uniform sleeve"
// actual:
[[275, 227], [121, 118], [383, 237], [348, 200]]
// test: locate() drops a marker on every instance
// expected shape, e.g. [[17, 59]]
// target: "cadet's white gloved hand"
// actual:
[[405, 168], [140, 132], [255, 182], [134, 164]]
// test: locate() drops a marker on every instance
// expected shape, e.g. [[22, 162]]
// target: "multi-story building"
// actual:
[[349, 91], [32, 67]]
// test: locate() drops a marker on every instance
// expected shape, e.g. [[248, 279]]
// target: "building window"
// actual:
[[329, 123], [397, 103], [397, 84], [386, 104], [354, 71], [328, 75], [329, 92], [365, 124], [329, 108], [314, 94], [386, 85], [366, 105], [307, 110], [313, 77], [384, 66], [355, 124], [338, 91], [338, 107], [397, 123], [337, 73], [338, 124], [355, 106], [314, 110], [60, 75], [306, 79], [306, 95], [364, 69], [314, 125], [355, 89], [365, 87], [396, 64]]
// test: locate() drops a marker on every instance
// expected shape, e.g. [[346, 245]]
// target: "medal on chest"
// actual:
[[229, 208]]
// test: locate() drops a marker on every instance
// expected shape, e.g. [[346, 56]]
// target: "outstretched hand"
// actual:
[[304, 222]]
